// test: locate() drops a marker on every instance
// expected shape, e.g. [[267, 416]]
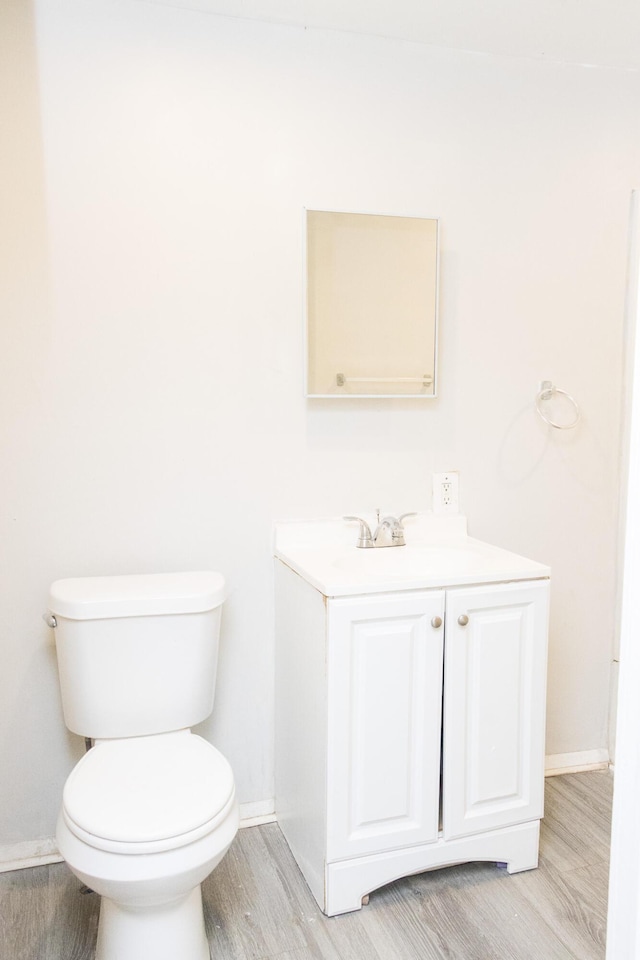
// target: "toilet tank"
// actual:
[[137, 655]]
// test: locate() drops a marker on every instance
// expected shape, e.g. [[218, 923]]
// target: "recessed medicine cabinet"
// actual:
[[372, 298]]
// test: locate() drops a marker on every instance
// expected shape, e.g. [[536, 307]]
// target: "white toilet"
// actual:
[[151, 810]]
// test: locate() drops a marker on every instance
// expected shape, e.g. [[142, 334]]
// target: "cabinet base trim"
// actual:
[[348, 881]]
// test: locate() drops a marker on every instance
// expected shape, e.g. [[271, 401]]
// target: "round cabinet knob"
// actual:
[[463, 619], [436, 622]]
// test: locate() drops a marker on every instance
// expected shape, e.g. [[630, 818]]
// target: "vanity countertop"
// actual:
[[438, 553]]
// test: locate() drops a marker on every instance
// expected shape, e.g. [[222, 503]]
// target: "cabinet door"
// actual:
[[384, 722], [494, 706]]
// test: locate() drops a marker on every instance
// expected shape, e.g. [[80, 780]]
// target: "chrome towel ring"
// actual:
[[548, 390]]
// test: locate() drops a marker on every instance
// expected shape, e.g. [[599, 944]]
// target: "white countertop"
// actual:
[[438, 553]]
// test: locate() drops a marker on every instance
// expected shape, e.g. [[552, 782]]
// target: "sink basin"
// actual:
[[412, 561], [438, 553]]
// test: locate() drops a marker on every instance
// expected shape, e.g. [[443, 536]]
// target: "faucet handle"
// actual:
[[365, 538], [398, 529]]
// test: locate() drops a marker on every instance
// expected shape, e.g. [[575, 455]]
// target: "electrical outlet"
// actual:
[[445, 492]]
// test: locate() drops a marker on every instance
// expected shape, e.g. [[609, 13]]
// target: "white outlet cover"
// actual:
[[445, 492]]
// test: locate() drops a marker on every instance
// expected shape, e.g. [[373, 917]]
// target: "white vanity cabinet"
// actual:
[[409, 729]]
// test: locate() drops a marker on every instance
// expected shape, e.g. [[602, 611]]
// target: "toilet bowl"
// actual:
[[151, 809], [143, 823]]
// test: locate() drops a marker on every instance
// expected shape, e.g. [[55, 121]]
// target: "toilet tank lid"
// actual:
[[100, 598]]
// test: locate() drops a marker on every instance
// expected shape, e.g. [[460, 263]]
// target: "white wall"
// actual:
[[157, 420]]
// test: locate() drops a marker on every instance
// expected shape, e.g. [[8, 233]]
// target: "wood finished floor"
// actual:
[[257, 906]]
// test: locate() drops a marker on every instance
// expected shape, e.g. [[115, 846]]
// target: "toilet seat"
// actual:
[[148, 794]]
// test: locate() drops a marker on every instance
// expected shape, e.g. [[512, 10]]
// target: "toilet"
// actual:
[[151, 809]]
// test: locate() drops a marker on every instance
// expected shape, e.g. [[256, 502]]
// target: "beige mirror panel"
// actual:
[[372, 291]]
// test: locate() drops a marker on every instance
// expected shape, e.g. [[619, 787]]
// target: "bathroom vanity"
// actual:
[[410, 704]]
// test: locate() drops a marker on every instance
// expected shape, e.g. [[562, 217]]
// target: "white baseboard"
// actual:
[[558, 763], [37, 853], [261, 811], [31, 853]]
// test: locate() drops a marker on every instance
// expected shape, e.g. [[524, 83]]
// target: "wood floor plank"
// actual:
[[44, 916], [480, 916], [579, 813], [594, 788], [427, 919], [342, 938], [591, 883], [251, 916], [566, 900], [23, 913], [511, 924], [557, 852], [303, 954]]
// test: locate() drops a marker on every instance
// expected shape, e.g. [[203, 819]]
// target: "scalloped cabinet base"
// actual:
[[348, 881], [409, 730]]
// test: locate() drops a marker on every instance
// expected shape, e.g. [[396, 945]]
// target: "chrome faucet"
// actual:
[[388, 533]]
